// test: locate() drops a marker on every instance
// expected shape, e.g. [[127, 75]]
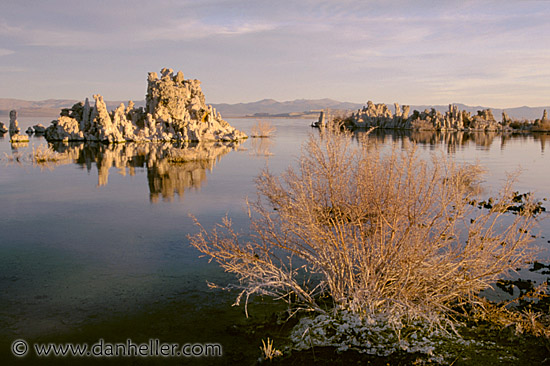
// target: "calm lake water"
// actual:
[[96, 246]]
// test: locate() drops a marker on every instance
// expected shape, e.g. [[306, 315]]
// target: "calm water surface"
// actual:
[[104, 234]]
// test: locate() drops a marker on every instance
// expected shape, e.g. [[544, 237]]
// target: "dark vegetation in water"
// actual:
[[521, 204]]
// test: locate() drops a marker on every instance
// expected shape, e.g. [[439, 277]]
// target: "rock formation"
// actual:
[[14, 130], [541, 125], [321, 122], [175, 111], [506, 120], [484, 121], [3, 128], [379, 115], [544, 121]]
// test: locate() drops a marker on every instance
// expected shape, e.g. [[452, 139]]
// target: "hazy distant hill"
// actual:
[[263, 108], [45, 108], [271, 106]]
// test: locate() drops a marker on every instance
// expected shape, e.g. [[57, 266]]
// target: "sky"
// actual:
[[490, 53]]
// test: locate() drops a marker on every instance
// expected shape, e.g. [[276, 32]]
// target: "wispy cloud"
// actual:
[[5, 52], [181, 30]]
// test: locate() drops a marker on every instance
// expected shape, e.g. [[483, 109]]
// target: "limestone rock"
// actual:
[[175, 111]]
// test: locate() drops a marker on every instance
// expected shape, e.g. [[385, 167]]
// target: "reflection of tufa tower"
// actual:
[[170, 170]]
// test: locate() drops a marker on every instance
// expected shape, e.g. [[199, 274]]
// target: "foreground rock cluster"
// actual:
[[175, 111], [379, 115]]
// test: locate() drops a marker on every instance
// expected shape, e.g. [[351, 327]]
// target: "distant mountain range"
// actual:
[[273, 107], [299, 108]]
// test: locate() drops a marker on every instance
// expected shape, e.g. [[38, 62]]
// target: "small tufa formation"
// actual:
[[321, 122], [506, 120], [484, 121], [3, 128], [541, 125], [14, 130], [434, 120], [175, 111]]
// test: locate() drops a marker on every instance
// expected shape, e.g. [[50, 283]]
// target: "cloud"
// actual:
[[182, 30], [5, 52]]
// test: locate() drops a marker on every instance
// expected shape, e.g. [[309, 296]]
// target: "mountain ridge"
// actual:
[[261, 108]]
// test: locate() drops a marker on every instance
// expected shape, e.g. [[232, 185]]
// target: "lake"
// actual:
[[96, 246]]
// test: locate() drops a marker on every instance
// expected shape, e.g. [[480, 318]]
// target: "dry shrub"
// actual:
[[379, 233], [262, 129], [44, 154]]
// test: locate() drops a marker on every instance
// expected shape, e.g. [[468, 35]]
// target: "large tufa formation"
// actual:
[[175, 111]]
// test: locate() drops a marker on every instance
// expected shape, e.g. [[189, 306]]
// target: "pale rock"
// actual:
[[65, 128], [18, 138]]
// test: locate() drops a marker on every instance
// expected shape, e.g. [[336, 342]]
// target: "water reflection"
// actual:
[[261, 147], [455, 140], [171, 169]]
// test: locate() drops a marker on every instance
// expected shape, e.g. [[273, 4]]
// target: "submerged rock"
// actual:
[[175, 111]]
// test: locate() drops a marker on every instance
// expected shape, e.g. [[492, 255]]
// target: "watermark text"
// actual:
[[152, 348]]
